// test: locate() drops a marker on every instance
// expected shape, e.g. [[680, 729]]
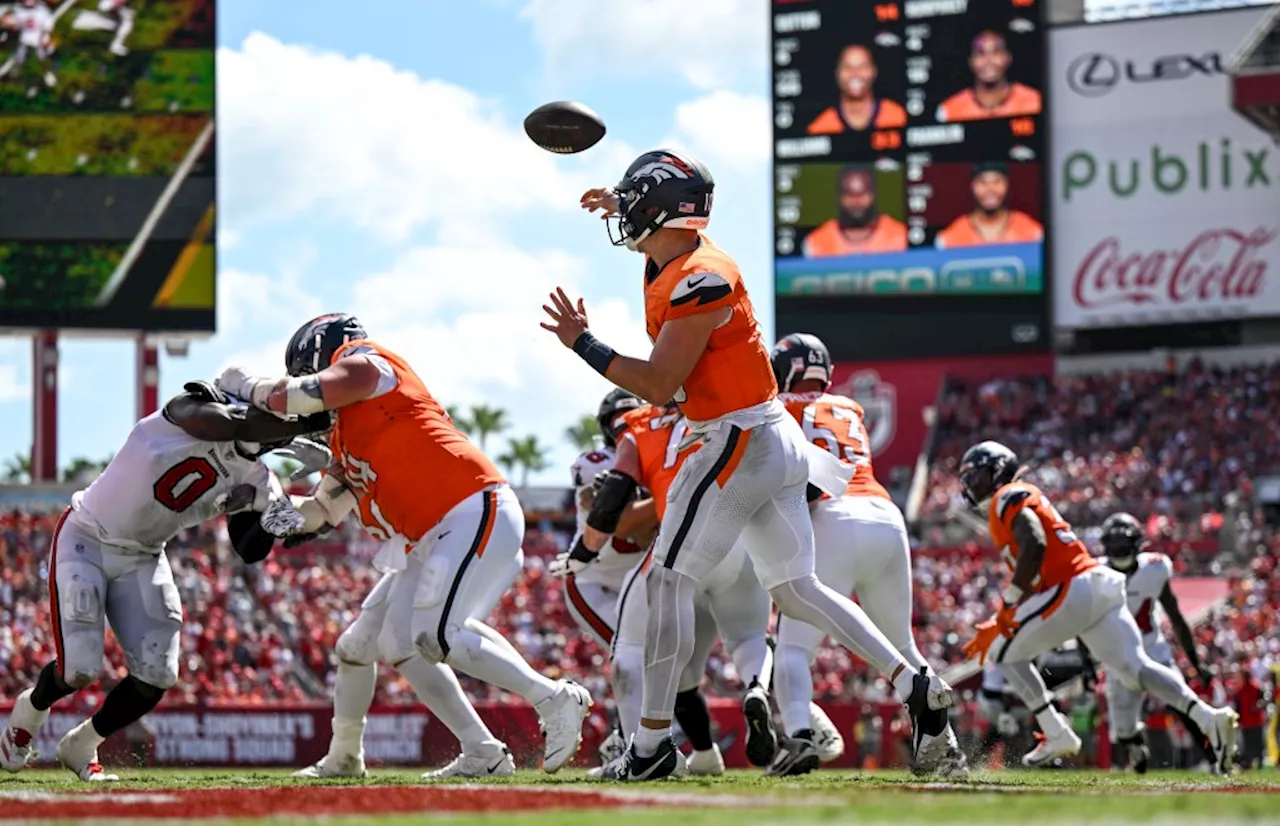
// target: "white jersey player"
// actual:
[[591, 595], [1149, 595], [190, 462], [34, 23], [861, 546]]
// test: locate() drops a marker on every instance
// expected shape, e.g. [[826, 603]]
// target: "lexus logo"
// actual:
[[1094, 74]]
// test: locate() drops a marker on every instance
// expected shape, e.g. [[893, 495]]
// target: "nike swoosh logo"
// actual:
[[496, 766], [691, 283], [444, 534]]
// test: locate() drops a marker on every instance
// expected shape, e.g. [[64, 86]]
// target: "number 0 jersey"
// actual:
[[1065, 555], [162, 481], [1143, 587], [836, 424]]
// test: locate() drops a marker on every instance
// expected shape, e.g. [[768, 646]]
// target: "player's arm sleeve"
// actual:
[[700, 292], [216, 422]]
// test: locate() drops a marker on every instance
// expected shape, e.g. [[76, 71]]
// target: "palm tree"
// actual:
[[17, 470], [582, 434], [459, 421], [486, 421], [81, 469], [527, 454]]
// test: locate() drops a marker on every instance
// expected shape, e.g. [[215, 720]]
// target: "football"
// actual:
[[564, 127]]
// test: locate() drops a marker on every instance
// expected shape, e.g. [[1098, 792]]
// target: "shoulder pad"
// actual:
[[700, 288], [1012, 494]]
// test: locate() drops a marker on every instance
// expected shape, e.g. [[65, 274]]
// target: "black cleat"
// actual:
[[798, 755], [762, 744]]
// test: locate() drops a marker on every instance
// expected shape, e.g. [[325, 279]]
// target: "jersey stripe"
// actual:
[[488, 514], [691, 510], [1043, 612], [55, 613], [583, 607]]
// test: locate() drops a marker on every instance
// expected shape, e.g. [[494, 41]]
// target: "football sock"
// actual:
[[50, 688], [437, 687], [694, 718], [128, 701]]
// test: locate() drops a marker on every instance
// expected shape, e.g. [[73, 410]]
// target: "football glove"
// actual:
[[1006, 620], [281, 518], [312, 456], [987, 630], [573, 562]]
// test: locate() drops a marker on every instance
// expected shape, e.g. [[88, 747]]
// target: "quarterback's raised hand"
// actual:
[[569, 321], [605, 199]]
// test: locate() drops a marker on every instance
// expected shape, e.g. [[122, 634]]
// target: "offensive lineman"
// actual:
[[181, 466], [750, 476], [1147, 590], [1059, 591], [861, 544], [451, 529]]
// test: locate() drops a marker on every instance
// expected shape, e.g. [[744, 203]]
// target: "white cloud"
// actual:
[[474, 335], [710, 43], [725, 129], [374, 146]]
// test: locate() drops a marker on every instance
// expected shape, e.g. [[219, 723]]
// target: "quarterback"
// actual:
[[1059, 591], [751, 472], [196, 458], [451, 530]]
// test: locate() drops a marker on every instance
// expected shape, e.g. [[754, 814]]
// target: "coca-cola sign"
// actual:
[[1221, 265], [1166, 205]]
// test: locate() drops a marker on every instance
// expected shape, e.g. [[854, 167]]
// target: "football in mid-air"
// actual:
[[564, 127]]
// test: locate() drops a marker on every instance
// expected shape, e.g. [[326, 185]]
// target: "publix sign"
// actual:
[[1166, 202]]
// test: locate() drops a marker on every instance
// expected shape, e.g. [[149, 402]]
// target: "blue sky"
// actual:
[[372, 160]]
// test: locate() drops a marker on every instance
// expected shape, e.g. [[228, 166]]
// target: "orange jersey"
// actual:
[[889, 235], [1065, 555], [1020, 228], [733, 372], [657, 434], [406, 462], [835, 423], [888, 115], [964, 105]]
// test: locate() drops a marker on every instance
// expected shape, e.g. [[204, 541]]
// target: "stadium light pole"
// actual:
[[148, 377]]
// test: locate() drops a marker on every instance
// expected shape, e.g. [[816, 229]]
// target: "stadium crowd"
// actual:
[[1179, 450]]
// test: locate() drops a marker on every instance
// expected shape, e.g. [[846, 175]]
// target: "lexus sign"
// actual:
[[1096, 73], [1166, 203]]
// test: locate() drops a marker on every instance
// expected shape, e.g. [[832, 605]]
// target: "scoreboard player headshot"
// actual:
[[991, 221], [993, 94], [858, 109], [859, 227]]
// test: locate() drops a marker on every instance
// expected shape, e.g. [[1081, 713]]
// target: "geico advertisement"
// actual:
[[1166, 201]]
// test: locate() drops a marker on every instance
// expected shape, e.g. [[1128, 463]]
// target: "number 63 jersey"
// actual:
[[163, 481], [836, 424]]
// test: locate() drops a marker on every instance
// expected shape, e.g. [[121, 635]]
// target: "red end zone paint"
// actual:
[[299, 800]]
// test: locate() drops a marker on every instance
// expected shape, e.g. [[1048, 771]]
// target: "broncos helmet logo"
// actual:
[[664, 169]]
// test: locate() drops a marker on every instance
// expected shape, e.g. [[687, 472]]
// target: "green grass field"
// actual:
[[535, 799]]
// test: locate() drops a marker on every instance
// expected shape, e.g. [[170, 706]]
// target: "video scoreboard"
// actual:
[[909, 177]]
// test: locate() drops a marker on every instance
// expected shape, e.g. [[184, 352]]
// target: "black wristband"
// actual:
[[594, 352]]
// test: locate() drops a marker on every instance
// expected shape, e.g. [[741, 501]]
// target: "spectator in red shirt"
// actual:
[[1250, 702]]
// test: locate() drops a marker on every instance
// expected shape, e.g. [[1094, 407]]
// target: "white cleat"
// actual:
[[614, 746], [940, 694], [78, 753], [475, 766], [343, 765], [709, 763], [826, 737], [15, 743], [562, 717], [1060, 746], [1222, 739]]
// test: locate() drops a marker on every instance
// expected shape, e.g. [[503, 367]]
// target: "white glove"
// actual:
[[237, 382], [313, 456], [281, 518], [574, 561]]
